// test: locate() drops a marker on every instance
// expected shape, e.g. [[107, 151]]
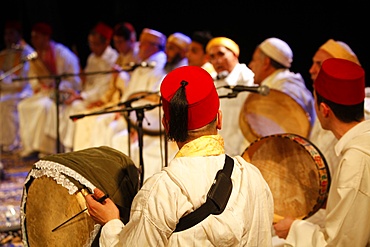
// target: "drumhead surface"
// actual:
[[48, 205], [295, 172], [9, 59], [274, 113], [53, 193]]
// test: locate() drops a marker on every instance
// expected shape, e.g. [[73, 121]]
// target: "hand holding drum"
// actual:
[[57, 192]]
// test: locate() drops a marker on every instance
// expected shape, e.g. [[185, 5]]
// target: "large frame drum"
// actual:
[[54, 192], [9, 59], [295, 171], [275, 113]]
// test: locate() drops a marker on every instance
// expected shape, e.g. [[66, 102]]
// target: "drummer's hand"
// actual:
[[283, 226], [103, 212]]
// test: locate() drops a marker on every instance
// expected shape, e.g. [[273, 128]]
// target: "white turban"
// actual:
[[278, 50], [179, 39], [153, 36]]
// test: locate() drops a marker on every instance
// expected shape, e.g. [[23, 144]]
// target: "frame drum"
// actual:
[[9, 59], [295, 170], [152, 124], [274, 113], [54, 192]]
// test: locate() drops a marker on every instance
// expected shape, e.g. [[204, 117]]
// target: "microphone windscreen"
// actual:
[[264, 90]]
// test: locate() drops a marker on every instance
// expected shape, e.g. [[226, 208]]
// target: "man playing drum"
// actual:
[[271, 62], [191, 118], [38, 113], [339, 102], [324, 139], [11, 92]]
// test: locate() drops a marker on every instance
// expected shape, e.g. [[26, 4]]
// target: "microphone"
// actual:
[[222, 75], [30, 57], [132, 65], [151, 64], [263, 90]]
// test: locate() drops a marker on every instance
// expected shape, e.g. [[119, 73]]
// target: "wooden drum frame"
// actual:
[[295, 170]]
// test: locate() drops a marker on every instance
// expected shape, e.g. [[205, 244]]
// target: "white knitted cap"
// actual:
[[278, 50]]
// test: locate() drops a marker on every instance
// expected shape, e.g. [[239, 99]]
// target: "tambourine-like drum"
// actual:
[[275, 113], [295, 171], [54, 192], [9, 59], [151, 124]]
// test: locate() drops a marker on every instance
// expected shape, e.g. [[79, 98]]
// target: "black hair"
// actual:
[[178, 125], [202, 37], [345, 113], [124, 29]]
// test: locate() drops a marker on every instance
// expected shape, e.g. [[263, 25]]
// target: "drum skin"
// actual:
[[9, 59], [53, 193], [295, 171], [275, 113], [45, 211]]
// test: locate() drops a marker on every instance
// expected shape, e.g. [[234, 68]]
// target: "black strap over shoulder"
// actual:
[[217, 198]]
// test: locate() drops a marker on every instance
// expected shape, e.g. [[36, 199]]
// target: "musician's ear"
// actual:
[[325, 109]]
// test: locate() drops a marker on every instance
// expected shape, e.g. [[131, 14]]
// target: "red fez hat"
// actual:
[[42, 27], [341, 81], [104, 30], [201, 94]]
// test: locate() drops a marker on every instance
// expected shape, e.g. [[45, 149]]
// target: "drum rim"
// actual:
[[321, 164], [30, 179]]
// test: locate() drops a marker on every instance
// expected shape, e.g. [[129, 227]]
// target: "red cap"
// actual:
[[42, 27], [201, 94], [104, 30], [341, 81]]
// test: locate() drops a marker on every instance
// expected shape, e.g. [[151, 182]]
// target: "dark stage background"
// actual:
[[303, 25]]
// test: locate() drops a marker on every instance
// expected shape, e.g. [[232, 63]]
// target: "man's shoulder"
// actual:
[[64, 51]]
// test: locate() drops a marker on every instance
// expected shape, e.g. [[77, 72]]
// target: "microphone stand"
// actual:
[[146, 107], [140, 116], [2, 77], [229, 95], [58, 79], [127, 118]]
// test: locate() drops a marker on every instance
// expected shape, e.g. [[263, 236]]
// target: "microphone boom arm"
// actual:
[[126, 109]]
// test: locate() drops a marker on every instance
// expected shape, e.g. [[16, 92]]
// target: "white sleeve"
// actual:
[[110, 233], [303, 233]]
